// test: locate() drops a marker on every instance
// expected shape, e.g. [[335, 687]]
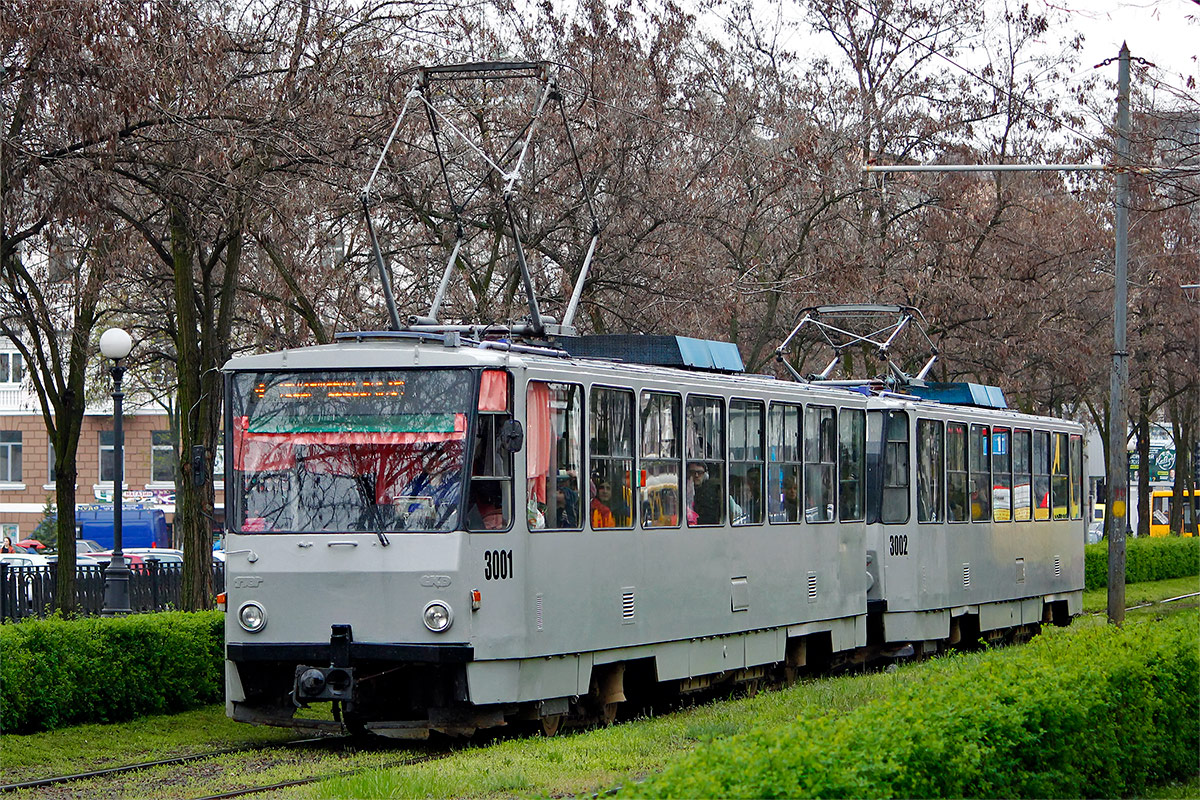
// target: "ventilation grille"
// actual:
[[966, 576], [627, 606], [537, 604], [812, 587], [1057, 567]]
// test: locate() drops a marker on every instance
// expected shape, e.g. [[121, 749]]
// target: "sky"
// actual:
[[1159, 31]]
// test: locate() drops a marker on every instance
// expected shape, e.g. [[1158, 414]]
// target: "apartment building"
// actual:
[[27, 477]]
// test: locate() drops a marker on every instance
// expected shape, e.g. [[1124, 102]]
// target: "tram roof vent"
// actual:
[[961, 394], [659, 351]]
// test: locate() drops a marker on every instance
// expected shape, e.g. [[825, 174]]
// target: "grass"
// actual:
[[91, 747], [577, 764], [1096, 600]]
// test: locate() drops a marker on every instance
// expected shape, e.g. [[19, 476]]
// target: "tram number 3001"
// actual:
[[898, 544], [497, 565]]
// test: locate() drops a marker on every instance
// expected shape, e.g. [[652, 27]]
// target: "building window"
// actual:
[[661, 456], [612, 458], [107, 467], [51, 472], [162, 457], [10, 456], [11, 368]]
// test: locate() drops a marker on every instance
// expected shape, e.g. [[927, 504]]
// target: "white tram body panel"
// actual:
[[339, 583]]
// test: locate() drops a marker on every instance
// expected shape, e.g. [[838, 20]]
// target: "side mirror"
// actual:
[[511, 435]]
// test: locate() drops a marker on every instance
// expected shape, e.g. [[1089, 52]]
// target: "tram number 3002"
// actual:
[[497, 565], [898, 544]]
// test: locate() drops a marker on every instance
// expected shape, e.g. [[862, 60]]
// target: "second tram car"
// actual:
[[432, 533]]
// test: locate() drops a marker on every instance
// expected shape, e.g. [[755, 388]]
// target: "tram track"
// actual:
[[243, 792], [59, 780], [107, 781]]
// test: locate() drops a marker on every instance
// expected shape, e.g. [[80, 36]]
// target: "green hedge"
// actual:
[[1158, 558], [57, 672], [1096, 712]]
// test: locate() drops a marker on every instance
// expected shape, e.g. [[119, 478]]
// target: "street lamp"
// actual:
[[116, 344]]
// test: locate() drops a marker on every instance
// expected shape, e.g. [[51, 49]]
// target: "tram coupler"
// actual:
[[335, 682]]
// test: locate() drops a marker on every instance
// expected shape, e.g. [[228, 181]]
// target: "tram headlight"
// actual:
[[437, 616], [252, 617]]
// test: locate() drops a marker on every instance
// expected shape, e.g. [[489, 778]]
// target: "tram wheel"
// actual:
[[550, 724]]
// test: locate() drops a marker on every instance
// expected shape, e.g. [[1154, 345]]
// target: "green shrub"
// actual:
[[1100, 712], [1146, 559], [57, 672]]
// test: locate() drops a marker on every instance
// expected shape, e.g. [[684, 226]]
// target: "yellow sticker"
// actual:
[[1118, 509]]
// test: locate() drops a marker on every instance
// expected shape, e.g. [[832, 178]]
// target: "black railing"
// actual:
[[153, 586]]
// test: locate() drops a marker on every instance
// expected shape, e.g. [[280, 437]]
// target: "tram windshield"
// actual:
[[340, 450]]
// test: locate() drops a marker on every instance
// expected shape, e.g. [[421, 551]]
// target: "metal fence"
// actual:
[[29, 591]]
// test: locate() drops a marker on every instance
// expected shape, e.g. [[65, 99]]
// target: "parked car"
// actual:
[[164, 555], [132, 561], [88, 546], [81, 559], [22, 577], [24, 559], [31, 545]]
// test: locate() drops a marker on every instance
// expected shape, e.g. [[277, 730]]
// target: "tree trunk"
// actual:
[[192, 514]]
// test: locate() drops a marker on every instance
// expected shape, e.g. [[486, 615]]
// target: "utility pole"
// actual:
[[1118, 434], [1118, 427]]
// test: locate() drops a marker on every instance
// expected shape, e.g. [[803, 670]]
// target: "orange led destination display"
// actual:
[[302, 390]]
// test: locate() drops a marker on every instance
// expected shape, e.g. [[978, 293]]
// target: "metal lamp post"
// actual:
[[116, 344]]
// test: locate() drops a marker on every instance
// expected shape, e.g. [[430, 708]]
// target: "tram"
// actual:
[[432, 532]]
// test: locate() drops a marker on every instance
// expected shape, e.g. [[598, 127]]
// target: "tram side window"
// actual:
[[895, 469], [852, 455], [931, 459], [612, 458], [489, 506], [704, 432], [1021, 446], [786, 462], [1076, 476], [981, 474], [553, 455], [1041, 475], [1060, 479], [661, 457], [957, 501], [820, 460], [1001, 475], [745, 462]]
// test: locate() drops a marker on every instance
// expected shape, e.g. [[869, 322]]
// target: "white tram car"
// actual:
[[435, 533]]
